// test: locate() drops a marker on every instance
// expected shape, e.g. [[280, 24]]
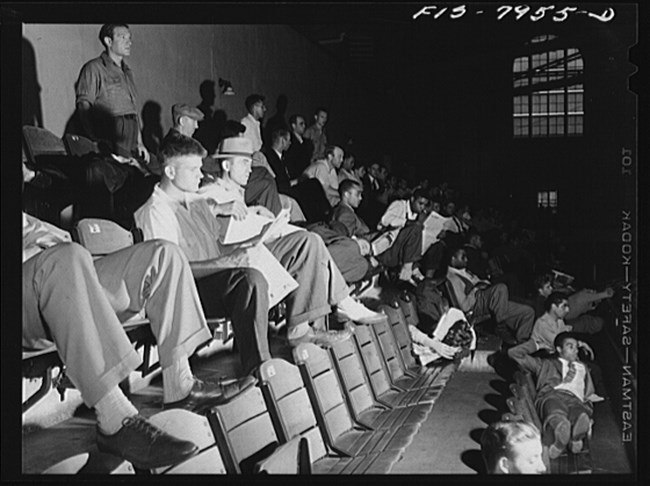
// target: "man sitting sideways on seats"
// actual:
[[79, 304], [580, 303], [175, 212], [512, 448], [564, 393], [402, 251], [403, 213], [480, 297]]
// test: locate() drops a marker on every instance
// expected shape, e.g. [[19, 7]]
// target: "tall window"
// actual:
[[548, 90]]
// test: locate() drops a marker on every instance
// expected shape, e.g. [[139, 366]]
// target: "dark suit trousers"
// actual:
[[242, 295], [407, 247]]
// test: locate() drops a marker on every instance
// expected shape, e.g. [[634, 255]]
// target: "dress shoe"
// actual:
[[321, 338], [561, 434], [144, 445], [581, 429], [207, 393]]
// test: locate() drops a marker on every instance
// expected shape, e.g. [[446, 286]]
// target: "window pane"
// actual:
[[521, 104], [556, 103], [539, 59], [521, 127], [556, 125], [540, 103], [521, 64], [539, 126]]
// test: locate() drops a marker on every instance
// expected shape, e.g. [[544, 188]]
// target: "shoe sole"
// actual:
[[576, 446], [153, 465], [560, 439], [581, 427]]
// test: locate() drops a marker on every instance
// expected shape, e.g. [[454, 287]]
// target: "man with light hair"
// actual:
[[177, 212], [325, 170], [512, 448]]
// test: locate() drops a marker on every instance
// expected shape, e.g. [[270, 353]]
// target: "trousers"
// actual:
[[407, 247], [79, 304], [242, 295], [517, 317], [320, 283]]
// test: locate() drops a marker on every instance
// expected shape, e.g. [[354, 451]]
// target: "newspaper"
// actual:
[[240, 231]]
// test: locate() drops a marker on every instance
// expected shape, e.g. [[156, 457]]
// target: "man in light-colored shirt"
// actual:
[[403, 211], [256, 109], [176, 212], [325, 171]]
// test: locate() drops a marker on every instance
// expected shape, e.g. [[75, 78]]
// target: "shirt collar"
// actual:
[[188, 197], [252, 119], [106, 59], [229, 185]]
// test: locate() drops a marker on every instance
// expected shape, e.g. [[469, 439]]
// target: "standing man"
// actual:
[[324, 169], [298, 155], [106, 100], [256, 109], [316, 133], [107, 97]]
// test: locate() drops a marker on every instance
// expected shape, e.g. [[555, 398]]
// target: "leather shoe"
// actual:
[[321, 338], [145, 445], [561, 434], [207, 393], [581, 429]]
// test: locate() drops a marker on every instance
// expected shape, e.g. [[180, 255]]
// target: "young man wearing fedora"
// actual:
[[175, 212]]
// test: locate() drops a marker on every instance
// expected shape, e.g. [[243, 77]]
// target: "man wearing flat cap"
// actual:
[[186, 120]]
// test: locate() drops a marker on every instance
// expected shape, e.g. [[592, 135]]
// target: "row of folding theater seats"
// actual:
[[344, 408], [352, 408]]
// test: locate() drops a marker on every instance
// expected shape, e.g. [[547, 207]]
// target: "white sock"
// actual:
[[177, 380], [112, 409], [298, 330]]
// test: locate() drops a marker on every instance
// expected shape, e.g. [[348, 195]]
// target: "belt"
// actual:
[[130, 116]]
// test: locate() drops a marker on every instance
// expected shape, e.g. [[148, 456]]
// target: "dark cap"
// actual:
[[180, 109]]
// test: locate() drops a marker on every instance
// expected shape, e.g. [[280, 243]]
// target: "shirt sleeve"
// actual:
[[542, 334], [157, 222], [394, 215], [88, 84], [521, 354]]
